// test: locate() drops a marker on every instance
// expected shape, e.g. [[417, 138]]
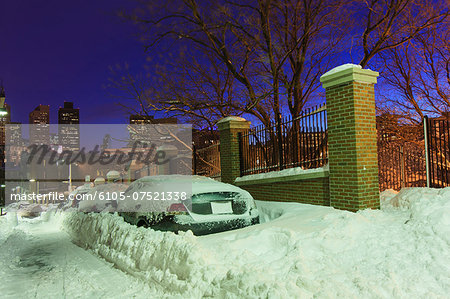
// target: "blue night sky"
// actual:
[[55, 50]]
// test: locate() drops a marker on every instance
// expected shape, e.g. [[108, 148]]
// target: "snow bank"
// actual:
[[154, 256], [281, 173], [429, 209], [302, 251], [385, 198], [178, 263]]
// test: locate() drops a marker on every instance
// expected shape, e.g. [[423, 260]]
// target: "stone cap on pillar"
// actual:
[[233, 122], [347, 73]]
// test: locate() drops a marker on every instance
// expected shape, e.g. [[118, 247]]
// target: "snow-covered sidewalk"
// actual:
[[300, 251], [38, 260]]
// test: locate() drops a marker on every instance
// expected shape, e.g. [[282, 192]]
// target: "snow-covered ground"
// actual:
[[38, 260], [299, 251]]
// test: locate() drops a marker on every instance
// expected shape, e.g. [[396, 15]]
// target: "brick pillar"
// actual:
[[352, 137], [229, 127]]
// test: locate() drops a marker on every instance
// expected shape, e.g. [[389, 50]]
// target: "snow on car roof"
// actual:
[[199, 184], [109, 188]]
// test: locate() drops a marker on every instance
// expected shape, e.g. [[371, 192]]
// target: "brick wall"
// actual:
[[309, 191]]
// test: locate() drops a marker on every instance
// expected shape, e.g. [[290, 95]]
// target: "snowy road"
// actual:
[[38, 260]]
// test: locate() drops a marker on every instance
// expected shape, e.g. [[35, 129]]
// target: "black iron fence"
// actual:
[[301, 141], [438, 151]]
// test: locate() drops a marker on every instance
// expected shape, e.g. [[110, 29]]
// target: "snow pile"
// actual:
[[178, 263], [429, 210], [28, 209], [385, 198], [7, 224], [153, 256], [281, 173]]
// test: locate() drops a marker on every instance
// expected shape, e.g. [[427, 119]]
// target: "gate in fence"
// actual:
[[401, 163], [438, 151], [422, 162]]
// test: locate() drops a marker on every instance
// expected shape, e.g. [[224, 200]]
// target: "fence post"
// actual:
[[241, 151], [280, 143], [194, 159], [229, 127], [427, 150], [352, 137], [402, 167]]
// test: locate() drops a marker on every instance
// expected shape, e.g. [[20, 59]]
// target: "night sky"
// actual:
[[56, 50]]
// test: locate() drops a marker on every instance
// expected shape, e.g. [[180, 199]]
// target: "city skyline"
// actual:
[[54, 115]]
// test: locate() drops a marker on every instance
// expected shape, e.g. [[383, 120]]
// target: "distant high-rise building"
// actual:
[[68, 127], [39, 125], [40, 115], [145, 134], [14, 142], [5, 119], [68, 115], [136, 119], [140, 119], [15, 134], [2, 94], [5, 115]]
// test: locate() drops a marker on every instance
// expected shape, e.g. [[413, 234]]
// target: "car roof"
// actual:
[[110, 187], [200, 184]]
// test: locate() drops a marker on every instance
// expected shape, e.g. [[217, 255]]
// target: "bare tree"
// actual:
[[433, 74], [257, 57], [419, 74], [392, 23], [244, 57], [196, 92]]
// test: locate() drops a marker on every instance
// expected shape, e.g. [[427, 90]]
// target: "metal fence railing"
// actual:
[[298, 142]]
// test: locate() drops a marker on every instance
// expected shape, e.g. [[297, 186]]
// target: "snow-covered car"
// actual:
[[102, 198], [215, 206], [72, 199], [27, 209]]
